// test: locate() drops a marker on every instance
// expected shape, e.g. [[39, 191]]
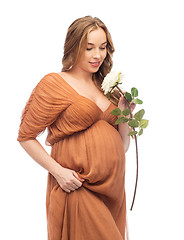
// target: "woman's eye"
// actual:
[[89, 49]]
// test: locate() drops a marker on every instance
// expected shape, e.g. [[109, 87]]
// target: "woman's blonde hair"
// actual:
[[76, 42]]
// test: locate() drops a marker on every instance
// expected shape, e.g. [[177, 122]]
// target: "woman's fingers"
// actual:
[[74, 183], [133, 105], [69, 180], [77, 177], [69, 188]]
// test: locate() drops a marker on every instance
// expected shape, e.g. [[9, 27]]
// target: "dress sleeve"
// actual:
[[47, 101]]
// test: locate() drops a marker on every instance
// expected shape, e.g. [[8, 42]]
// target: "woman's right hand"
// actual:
[[68, 179]]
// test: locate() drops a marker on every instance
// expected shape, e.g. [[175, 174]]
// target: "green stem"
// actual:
[[136, 145], [137, 156]]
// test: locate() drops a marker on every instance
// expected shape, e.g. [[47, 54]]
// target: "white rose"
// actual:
[[112, 79]]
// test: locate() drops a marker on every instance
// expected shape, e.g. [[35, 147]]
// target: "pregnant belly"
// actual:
[[97, 153]]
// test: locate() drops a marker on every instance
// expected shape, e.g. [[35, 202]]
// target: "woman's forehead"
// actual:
[[97, 36]]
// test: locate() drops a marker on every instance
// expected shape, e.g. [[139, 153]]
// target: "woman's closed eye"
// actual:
[[89, 49]]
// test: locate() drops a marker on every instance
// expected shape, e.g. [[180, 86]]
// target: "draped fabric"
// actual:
[[85, 139]]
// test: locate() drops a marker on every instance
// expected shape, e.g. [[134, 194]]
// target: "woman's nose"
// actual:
[[96, 54]]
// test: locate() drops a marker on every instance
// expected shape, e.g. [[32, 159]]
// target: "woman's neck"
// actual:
[[81, 75]]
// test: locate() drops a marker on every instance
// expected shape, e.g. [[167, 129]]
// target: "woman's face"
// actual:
[[95, 52]]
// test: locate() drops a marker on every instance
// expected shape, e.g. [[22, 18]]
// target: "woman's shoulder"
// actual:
[[52, 80], [53, 84], [51, 77]]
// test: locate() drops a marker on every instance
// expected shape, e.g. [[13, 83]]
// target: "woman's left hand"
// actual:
[[123, 104]]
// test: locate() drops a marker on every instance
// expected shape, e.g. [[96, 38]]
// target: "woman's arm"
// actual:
[[123, 128], [66, 178]]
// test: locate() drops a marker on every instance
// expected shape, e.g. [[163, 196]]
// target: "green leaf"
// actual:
[[128, 96], [125, 119], [120, 119], [126, 112], [139, 115], [143, 123], [134, 92], [133, 123], [140, 132], [116, 112], [108, 95], [137, 101], [132, 133]]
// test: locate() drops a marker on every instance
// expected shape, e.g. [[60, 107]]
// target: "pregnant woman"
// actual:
[[86, 169]]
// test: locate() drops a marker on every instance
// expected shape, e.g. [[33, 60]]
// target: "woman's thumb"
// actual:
[[77, 176]]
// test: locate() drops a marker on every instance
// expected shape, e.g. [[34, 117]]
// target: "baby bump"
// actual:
[[96, 153]]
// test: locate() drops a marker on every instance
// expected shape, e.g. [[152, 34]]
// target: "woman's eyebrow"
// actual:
[[104, 43], [94, 44]]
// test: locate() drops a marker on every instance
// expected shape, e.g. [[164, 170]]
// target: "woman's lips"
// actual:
[[95, 64]]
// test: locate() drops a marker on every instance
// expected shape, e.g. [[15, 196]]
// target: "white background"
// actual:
[[149, 42]]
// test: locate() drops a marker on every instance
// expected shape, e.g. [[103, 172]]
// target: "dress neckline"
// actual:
[[86, 98]]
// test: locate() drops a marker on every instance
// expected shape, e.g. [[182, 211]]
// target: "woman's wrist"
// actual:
[[56, 169]]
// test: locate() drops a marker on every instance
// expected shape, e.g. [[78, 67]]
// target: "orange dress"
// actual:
[[84, 139]]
